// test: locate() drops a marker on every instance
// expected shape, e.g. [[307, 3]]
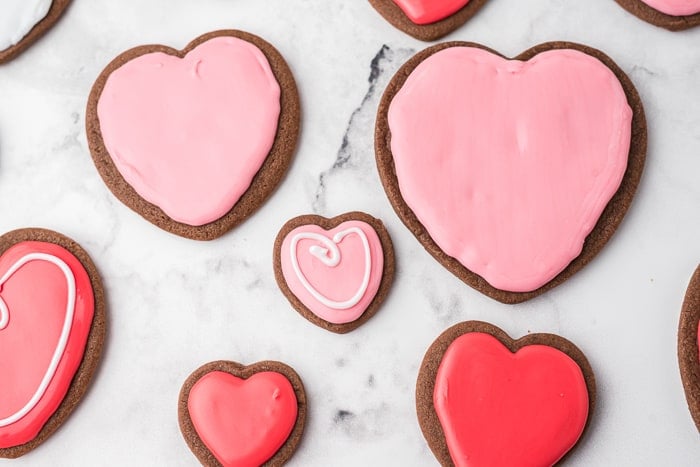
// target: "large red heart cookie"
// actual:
[[688, 345], [674, 15], [335, 272], [52, 326], [512, 173], [486, 400], [195, 140], [427, 20], [239, 416]]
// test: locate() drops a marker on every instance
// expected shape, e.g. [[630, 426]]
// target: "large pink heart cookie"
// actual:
[[512, 173], [239, 416], [484, 399], [674, 15], [195, 140], [335, 272], [51, 331]]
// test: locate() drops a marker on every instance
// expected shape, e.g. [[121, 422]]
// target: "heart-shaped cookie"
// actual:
[[195, 140], [335, 272], [235, 415], [688, 345], [427, 20], [23, 22], [52, 325], [484, 399], [674, 15], [513, 174]]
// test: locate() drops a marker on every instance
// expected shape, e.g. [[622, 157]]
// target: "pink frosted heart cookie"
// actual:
[[513, 174], [195, 140], [52, 325], [688, 345], [674, 15], [335, 272], [242, 416], [427, 20]]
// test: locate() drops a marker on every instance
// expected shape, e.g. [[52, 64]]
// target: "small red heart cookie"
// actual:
[[515, 173], [427, 20], [674, 15], [52, 326], [688, 345], [238, 416], [23, 22], [195, 140], [335, 272], [484, 399]]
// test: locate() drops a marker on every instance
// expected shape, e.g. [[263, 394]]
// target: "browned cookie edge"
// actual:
[[653, 16], [688, 354]]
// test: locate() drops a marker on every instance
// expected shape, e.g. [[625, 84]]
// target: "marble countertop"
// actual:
[[175, 304]]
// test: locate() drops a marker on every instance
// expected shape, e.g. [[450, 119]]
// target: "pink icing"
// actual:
[[243, 422], [675, 7], [429, 11], [509, 164], [36, 299], [337, 283], [499, 408], [190, 134]]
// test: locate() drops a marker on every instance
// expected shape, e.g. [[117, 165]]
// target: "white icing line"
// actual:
[[331, 260], [63, 340]]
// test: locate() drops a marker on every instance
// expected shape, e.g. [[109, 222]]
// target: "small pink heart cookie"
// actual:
[[242, 416], [335, 272], [52, 325], [195, 140], [674, 15], [689, 346]]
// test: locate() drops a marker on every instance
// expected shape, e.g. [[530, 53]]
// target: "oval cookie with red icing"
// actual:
[[674, 15], [52, 326], [23, 22], [195, 140], [513, 174], [233, 415], [688, 345], [427, 20], [484, 399], [335, 272]]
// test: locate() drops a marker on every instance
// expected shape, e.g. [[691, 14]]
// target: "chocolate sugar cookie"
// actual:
[[335, 272], [52, 326], [674, 15], [485, 399], [512, 173], [688, 354], [195, 140], [427, 20], [232, 414]]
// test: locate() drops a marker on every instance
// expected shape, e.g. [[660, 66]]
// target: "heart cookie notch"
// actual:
[[195, 140], [335, 272], [496, 401], [688, 346], [674, 15], [513, 174], [52, 326], [235, 415]]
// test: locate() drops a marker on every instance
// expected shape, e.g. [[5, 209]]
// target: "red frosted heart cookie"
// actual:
[[513, 174], [688, 345], [484, 399], [195, 140], [427, 20], [674, 15], [335, 272], [52, 325], [238, 416]]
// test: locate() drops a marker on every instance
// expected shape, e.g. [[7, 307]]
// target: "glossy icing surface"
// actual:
[[499, 408], [190, 134], [675, 7], [429, 11], [47, 300], [509, 164], [243, 422], [336, 274], [18, 17]]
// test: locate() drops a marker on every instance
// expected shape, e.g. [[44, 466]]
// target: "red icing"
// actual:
[[429, 11], [243, 422], [36, 297], [499, 408]]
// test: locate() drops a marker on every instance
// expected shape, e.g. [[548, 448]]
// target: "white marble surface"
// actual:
[[175, 304]]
